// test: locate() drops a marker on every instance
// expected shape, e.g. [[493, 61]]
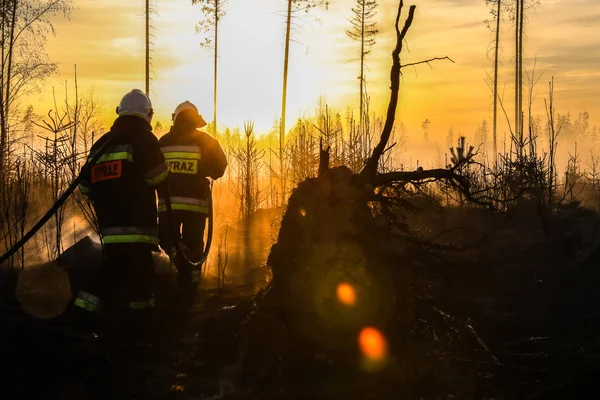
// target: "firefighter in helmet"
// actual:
[[122, 187], [193, 156]]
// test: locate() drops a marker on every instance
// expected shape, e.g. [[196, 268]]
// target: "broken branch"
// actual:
[[428, 61], [370, 168]]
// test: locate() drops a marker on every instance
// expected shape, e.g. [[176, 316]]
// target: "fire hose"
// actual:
[[194, 265]]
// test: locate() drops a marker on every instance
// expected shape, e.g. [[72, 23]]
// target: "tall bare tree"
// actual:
[[518, 66], [149, 9], [363, 31], [213, 11], [521, 5], [497, 13], [293, 6], [521, 23], [147, 47]]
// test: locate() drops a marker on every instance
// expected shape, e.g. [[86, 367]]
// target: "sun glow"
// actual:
[[322, 61]]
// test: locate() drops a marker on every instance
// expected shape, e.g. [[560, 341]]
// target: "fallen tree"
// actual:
[[342, 263]]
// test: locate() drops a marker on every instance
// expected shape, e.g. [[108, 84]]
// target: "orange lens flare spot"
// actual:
[[303, 212], [346, 294], [372, 344]]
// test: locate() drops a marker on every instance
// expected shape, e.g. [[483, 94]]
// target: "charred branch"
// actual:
[[416, 176], [370, 169], [324, 155]]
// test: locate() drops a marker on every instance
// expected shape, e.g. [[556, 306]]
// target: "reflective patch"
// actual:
[[184, 204], [179, 153], [84, 187], [184, 207], [157, 175], [129, 234], [141, 305], [107, 170], [126, 230], [185, 200], [89, 297], [118, 152], [86, 305], [176, 149], [181, 166], [87, 301], [112, 239], [115, 156]]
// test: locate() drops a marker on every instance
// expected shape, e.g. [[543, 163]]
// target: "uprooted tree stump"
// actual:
[[340, 264]]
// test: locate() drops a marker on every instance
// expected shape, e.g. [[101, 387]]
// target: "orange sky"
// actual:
[[106, 41]]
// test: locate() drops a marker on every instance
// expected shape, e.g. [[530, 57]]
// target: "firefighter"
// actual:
[[121, 186], [193, 156]]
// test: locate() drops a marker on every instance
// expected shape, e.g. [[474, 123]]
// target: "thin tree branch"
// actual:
[[428, 61]]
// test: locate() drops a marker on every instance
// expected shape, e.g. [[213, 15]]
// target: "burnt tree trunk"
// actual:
[[328, 236], [324, 156], [333, 233]]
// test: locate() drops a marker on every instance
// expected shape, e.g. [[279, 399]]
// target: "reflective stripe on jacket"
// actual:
[[185, 204], [129, 234]]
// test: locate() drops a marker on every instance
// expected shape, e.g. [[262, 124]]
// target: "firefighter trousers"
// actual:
[[124, 282], [189, 225]]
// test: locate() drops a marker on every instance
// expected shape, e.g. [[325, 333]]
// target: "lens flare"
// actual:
[[372, 344], [346, 294], [43, 291], [303, 212]]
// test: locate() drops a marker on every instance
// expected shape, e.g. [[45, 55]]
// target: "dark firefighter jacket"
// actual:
[[192, 156], [122, 183]]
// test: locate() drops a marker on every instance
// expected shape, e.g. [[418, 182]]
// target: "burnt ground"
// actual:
[[513, 315], [47, 358]]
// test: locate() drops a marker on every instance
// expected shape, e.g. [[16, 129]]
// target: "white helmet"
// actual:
[[136, 103], [186, 105]]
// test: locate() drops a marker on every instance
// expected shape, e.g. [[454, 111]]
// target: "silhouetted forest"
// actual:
[[352, 258]]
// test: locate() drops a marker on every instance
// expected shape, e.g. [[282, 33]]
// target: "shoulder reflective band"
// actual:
[[87, 301], [142, 305], [112, 153], [84, 187], [184, 204], [185, 152], [157, 174], [129, 234]]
